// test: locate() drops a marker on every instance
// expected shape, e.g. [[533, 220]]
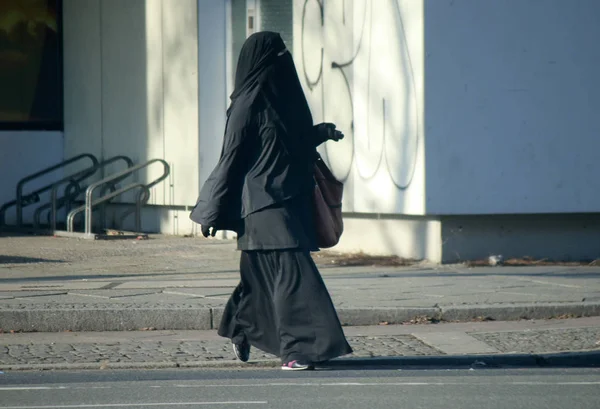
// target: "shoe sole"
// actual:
[[308, 368], [235, 352]]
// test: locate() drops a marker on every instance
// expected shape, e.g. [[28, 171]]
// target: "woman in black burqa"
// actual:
[[261, 188]]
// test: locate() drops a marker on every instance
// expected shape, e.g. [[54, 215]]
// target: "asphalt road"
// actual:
[[431, 389]]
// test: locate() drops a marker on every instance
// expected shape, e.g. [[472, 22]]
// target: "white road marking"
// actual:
[[549, 283], [309, 384], [30, 388], [255, 385], [129, 405]]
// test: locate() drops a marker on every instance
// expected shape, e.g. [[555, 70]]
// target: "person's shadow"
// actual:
[[586, 359]]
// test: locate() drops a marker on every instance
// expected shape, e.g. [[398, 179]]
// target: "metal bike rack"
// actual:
[[34, 197], [90, 203], [73, 184]]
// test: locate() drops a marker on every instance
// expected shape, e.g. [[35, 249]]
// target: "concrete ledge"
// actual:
[[105, 319], [375, 316], [512, 312], [217, 315], [160, 318], [540, 236]]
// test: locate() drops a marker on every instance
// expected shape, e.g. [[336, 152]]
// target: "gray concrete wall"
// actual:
[[562, 237]]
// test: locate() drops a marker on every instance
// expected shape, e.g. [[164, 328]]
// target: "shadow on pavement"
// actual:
[[132, 276], [25, 260], [492, 271], [587, 359]]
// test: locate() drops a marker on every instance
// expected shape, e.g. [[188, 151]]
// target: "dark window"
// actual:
[[31, 86]]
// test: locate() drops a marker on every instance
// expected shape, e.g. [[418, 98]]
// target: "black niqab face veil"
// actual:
[[265, 68], [258, 53]]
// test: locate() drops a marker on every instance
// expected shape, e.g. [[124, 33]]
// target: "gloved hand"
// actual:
[[206, 231], [328, 131]]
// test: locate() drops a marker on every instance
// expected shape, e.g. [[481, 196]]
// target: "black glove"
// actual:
[[206, 231], [327, 132], [337, 135]]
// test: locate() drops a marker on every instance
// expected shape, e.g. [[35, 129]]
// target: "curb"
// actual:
[[107, 366], [91, 318], [574, 359]]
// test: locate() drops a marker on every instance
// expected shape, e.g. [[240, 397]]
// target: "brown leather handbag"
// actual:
[[327, 203]]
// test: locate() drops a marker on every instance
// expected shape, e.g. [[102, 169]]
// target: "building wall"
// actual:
[[23, 153], [511, 106], [565, 237], [131, 88], [212, 79], [495, 102], [278, 16], [237, 26], [361, 65], [409, 237], [456, 107]]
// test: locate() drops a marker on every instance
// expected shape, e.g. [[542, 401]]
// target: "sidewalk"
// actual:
[[471, 345], [172, 283]]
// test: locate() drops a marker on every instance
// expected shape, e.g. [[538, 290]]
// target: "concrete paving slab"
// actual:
[[111, 294], [120, 302], [347, 301], [215, 292], [178, 284], [518, 297], [33, 294], [54, 285], [455, 343]]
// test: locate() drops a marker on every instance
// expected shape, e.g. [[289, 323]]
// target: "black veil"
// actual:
[[266, 70]]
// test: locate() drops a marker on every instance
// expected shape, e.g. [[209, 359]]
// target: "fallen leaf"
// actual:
[[384, 323]]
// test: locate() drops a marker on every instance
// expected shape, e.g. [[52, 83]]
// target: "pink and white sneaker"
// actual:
[[297, 366]]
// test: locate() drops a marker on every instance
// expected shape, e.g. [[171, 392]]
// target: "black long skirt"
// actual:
[[282, 307]]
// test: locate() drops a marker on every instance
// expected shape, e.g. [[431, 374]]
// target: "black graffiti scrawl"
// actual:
[[379, 90]]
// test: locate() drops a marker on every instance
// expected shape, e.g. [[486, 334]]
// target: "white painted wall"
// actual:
[[374, 93], [512, 101], [131, 87], [408, 237], [213, 69], [23, 153]]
